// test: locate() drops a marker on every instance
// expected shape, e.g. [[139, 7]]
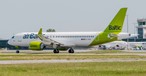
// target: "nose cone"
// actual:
[[10, 42]]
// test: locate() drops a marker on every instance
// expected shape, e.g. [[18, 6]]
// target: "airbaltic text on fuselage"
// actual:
[[30, 36], [35, 36], [115, 27]]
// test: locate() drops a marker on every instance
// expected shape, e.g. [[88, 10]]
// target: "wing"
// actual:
[[47, 41]]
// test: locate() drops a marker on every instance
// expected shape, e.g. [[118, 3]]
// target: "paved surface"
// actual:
[[51, 51], [68, 61], [44, 51]]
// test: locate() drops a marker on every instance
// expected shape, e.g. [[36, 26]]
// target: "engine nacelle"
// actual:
[[36, 45]]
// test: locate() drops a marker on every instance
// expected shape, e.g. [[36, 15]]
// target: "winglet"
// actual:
[[40, 34], [40, 31]]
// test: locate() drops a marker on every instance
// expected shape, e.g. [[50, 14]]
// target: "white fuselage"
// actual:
[[65, 38]]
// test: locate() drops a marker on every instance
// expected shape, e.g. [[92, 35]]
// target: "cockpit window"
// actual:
[[13, 37]]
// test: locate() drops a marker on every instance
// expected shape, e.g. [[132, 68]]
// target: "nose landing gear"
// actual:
[[17, 51]]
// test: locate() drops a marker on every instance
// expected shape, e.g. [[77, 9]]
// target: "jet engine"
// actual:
[[36, 45]]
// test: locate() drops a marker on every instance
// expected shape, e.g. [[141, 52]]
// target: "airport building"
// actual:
[[141, 28], [4, 44], [141, 31]]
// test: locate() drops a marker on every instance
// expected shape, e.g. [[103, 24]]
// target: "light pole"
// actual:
[[135, 24], [127, 32]]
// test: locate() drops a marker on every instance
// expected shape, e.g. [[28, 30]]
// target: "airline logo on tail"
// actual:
[[115, 27], [116, 24]]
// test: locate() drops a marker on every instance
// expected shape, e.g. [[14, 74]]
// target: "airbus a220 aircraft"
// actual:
[[40, 40]]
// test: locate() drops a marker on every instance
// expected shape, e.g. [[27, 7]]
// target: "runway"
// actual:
[[69, 61], [44, 51]]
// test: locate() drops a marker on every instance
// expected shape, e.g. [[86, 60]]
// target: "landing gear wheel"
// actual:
[[42, 46], [70, 50], [56, 51], [17, 51]]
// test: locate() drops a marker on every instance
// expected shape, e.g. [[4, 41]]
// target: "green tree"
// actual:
[[50, 30]]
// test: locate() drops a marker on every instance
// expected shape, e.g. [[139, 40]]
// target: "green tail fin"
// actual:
[[116, 24], [114, 28]]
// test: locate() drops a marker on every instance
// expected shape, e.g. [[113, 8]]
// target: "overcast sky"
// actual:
[[65, 15]]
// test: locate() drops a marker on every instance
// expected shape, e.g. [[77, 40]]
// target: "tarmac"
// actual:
[[68, 61], [44, 51]]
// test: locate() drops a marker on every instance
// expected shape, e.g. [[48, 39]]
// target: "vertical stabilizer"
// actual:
[[114, 28], [116, 24]]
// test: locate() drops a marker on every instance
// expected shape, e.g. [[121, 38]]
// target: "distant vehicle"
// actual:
[[115, 45], [137, 45], [118, 45], [40, 40]]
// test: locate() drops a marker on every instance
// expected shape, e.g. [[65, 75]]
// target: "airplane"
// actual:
[[118, 45], [40, 40]]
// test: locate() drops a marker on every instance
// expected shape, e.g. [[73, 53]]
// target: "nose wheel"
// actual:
[[17, 51]]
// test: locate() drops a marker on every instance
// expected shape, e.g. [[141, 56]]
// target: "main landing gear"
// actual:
[[70, 50], [56, 51]]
